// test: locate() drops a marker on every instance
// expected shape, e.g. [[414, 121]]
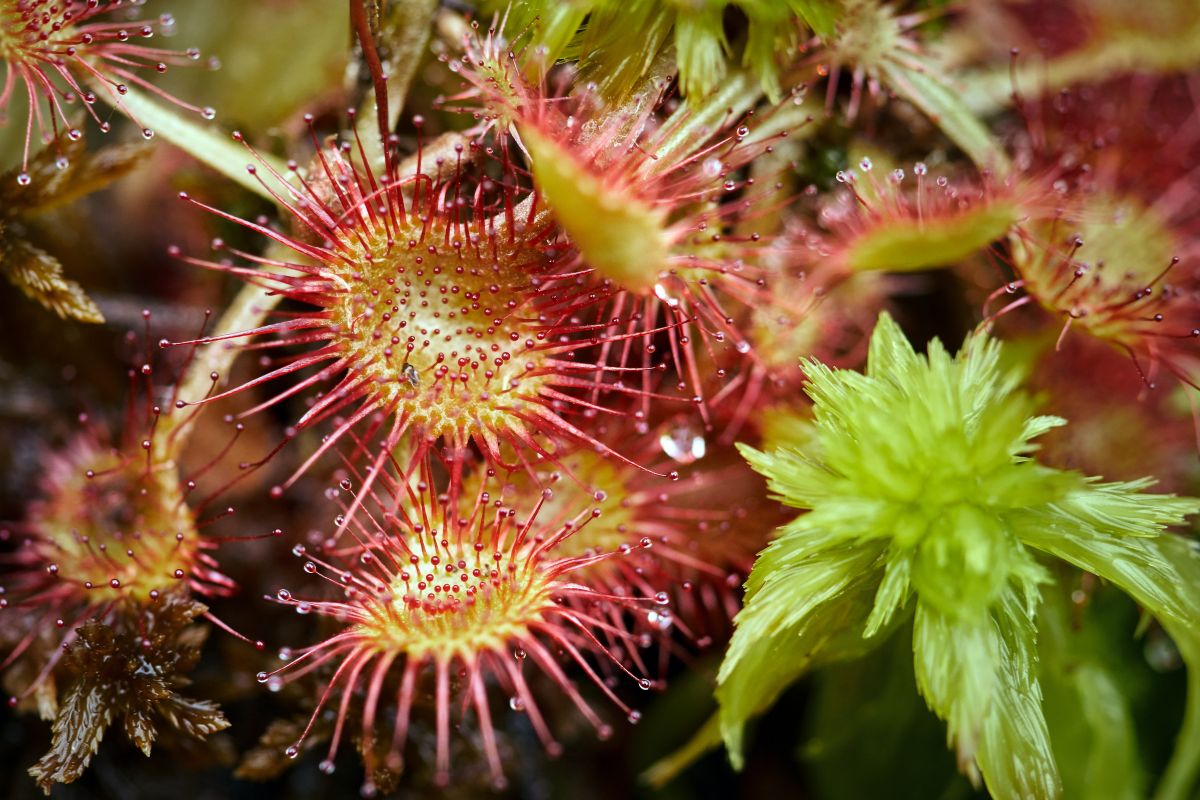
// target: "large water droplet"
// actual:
[[683, 444], [660, 619]]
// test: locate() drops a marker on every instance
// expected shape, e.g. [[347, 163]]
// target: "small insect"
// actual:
[[409, 373]]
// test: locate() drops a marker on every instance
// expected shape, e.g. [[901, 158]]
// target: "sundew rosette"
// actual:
[[459, 598], [657, 209], [430, 306], [111, 558], [59, 52]]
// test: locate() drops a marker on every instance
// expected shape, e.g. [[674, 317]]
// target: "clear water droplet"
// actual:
[[683, 444]]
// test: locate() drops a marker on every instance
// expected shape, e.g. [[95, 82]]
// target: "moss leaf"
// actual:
[[83, 716], [39, 276]]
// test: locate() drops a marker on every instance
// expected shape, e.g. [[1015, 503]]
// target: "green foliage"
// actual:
[[922, 494], [616, 42]]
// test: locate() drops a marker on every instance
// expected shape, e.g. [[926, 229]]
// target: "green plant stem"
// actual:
[[1179, 780], [667, 768], [206, 145], [735, 97]]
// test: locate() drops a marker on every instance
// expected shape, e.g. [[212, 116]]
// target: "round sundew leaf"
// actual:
[[621, 236]]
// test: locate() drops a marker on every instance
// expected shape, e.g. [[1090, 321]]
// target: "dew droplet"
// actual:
[[292, 751], [644, 684], [635, 717], [327, 767], [516, 704], [660, 619], [23, 179], [683, 444]]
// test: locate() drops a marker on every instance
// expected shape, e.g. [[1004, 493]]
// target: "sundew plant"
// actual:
[[655, 399]]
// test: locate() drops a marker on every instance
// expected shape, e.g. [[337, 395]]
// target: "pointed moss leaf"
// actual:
[[799, 606], [620, 42], [53, 184], [620, 236], [83, 716], [1114, 530], [700, 49], [946, 109], [196, 718], [893, 592], [140, 728], [979, 675], [39, 276]]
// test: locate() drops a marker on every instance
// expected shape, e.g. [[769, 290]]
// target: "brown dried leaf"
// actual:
[[197, 718], [86, 172], [129, 666], [83, 716], [267, 759], [39, 276], [139, 727]]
